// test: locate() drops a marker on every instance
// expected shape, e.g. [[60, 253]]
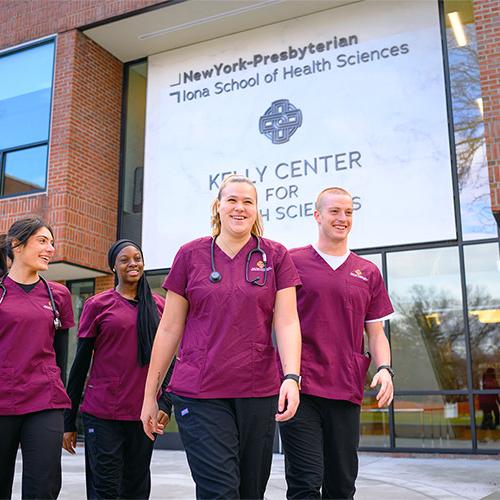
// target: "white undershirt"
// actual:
[[335, 261]]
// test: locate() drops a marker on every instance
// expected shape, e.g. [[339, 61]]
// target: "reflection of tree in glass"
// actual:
[[465, 90], [484, 335], [428, 340]]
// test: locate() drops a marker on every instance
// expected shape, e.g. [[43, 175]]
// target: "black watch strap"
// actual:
[[293, 376], [388, 368]]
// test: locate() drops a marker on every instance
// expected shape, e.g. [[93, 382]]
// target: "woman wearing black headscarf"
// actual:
[[118, 327]]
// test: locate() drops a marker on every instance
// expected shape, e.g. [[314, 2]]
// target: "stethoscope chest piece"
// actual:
[[215, 276]]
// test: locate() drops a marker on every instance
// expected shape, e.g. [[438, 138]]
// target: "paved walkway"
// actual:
[[380, 477]]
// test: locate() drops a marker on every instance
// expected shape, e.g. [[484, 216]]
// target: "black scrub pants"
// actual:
[[320, 444], [229, 444], [117, 458], [40, 435]]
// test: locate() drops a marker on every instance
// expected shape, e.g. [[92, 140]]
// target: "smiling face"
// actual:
[[129, 265], [237, 209], [334, 216], [37, 252]]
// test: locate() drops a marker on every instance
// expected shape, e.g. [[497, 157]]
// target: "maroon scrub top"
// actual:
[[30, 379], [227, 349], [333, 306], [115, 388]]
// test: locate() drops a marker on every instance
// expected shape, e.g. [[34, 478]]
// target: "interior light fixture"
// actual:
[[209, 19], [479, 102], [458, 29]]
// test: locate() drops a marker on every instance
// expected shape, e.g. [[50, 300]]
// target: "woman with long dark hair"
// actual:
[[117, 327], [34, 319]]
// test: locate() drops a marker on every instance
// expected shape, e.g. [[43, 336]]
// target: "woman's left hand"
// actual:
[[288, 400]]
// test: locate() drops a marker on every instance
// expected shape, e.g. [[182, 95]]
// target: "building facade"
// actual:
[[119, 118]]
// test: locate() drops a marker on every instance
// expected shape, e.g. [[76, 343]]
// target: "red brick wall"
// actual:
[[82, 186], [103, 283], [24, 20], [487, 17], [82, 195], [85, 149]]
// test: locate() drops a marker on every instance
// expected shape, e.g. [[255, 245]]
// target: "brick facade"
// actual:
[[103, 283], [487, 17], [82, 187], [24, 20], [85, 149], [82, 195]]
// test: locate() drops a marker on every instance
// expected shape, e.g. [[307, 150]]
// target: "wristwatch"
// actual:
[[293, 376], [388, 368]]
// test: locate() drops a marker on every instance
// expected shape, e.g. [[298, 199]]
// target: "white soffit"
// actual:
[[62, 271], [193, 21]]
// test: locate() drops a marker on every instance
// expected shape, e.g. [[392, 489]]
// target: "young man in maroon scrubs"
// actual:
[[224, 293], [341, 295], [34, 319]]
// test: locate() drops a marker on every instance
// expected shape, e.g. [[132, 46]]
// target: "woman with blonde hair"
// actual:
[[224, 293]]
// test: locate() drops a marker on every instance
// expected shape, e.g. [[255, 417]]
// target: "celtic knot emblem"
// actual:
[[280, 121]]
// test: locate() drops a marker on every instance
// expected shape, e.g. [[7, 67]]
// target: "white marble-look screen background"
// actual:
[[392, 110]]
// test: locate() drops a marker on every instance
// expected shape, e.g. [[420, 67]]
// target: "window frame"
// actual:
[[20, 147]]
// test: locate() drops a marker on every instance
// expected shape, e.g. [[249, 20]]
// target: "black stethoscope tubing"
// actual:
[[55, 312], [215, 276]]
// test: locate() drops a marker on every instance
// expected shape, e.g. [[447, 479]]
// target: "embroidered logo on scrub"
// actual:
[[91, 431], [260, 266], [358, 274], [184, 412]]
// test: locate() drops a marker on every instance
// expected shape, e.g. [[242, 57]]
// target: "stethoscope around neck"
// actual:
[[215, 276], [55, 312]]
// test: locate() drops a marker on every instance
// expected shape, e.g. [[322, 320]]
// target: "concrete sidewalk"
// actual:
[[380, 476]]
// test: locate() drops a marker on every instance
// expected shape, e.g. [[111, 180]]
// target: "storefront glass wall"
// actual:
[[445, 333]]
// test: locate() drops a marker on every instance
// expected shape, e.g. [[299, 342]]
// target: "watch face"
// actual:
[[292, 376]]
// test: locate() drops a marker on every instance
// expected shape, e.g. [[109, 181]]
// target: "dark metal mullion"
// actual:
[[1, 172], [458, 218], [468, 353], [432, 451], [423, 392], [392, 429], [28, 145], [123, 134]]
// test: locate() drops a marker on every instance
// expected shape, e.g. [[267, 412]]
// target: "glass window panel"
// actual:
[[25, 95], [432, 422], [488, 419], [427, 332], [482, 274], [376, 258], [374, 424], [25, 170], [80, 292], [134, 152], [477, 219], [155, 281]]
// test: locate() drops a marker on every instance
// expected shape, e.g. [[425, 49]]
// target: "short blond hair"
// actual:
[[334, 189], [258, 226]]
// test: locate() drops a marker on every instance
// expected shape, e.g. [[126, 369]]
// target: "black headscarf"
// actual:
[[147, 312]]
